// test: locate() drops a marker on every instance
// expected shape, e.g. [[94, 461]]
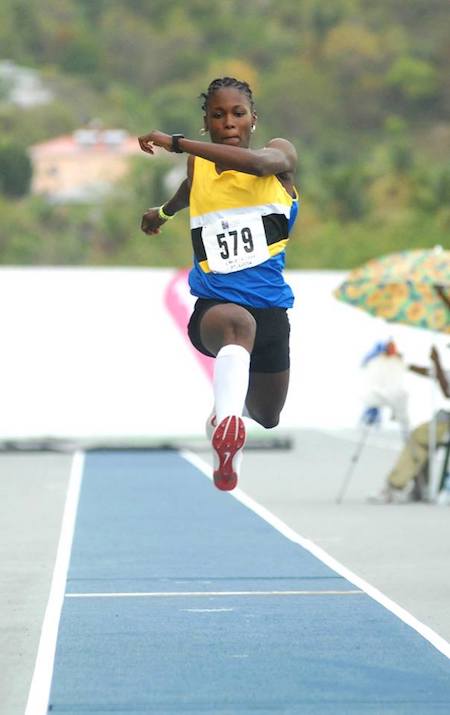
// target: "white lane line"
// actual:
[[39, 693], [207, 594], [207, 610], [425, 631]]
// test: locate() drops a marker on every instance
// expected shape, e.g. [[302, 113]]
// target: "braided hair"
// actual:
[[221, 82]]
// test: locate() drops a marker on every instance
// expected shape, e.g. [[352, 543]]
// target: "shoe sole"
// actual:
[[228, 439]]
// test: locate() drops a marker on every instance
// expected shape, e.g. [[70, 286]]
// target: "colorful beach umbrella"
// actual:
[[410, 287]]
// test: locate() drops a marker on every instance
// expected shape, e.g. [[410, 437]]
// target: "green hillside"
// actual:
[[362, 89]]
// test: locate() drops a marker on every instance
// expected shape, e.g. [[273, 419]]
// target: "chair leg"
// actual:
[[445, 467]]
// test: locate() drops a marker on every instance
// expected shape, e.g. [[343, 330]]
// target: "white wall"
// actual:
[[95, 353], [329, 341]]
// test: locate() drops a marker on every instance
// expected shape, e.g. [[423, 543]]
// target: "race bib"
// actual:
[[235, 243]]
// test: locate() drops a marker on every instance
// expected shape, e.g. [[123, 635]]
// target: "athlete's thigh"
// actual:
[[225, 324], [267, 392]]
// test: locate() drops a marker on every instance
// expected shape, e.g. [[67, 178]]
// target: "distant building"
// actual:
[[82, 166], [22, 86]]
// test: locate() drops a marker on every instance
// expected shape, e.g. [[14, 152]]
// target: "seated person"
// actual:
[[404, 481]]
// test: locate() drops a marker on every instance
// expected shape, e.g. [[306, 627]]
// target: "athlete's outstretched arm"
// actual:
[[152, 219], [277, 157]]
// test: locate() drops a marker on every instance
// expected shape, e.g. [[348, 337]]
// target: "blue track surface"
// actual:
[[150, 523]]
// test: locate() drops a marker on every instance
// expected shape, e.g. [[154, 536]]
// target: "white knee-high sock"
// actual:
[[231, 373]]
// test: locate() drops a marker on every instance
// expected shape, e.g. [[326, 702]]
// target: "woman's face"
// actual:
[[229, 117]]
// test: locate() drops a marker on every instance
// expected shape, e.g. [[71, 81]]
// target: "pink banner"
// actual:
[[179, 304]]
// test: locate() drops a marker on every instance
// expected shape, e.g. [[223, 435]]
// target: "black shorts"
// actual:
[[271, 350]]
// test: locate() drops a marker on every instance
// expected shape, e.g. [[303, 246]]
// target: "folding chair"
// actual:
[[445, 468], [446, 465]]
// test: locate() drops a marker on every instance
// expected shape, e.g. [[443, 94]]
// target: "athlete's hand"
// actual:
[[155, 138], [151, 222]]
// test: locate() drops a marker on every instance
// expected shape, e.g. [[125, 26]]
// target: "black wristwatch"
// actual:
[[175, 145]]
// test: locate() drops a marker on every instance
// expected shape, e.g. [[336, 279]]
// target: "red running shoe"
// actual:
[[227, 442]]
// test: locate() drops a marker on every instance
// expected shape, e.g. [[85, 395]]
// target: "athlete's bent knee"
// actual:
[[242, 325], [268, 420], [227, 324], [271, 422]]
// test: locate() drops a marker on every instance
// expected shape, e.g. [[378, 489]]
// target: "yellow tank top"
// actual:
[[238, 221]]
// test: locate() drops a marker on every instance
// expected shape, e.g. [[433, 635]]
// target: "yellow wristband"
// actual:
[[162, 214]]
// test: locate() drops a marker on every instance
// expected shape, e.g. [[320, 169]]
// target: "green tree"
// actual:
[[15, 170], [414, 78], [81, 56]]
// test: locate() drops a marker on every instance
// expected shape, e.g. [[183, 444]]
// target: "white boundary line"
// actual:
[[172, 594], [43, 670], [425, 631]]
